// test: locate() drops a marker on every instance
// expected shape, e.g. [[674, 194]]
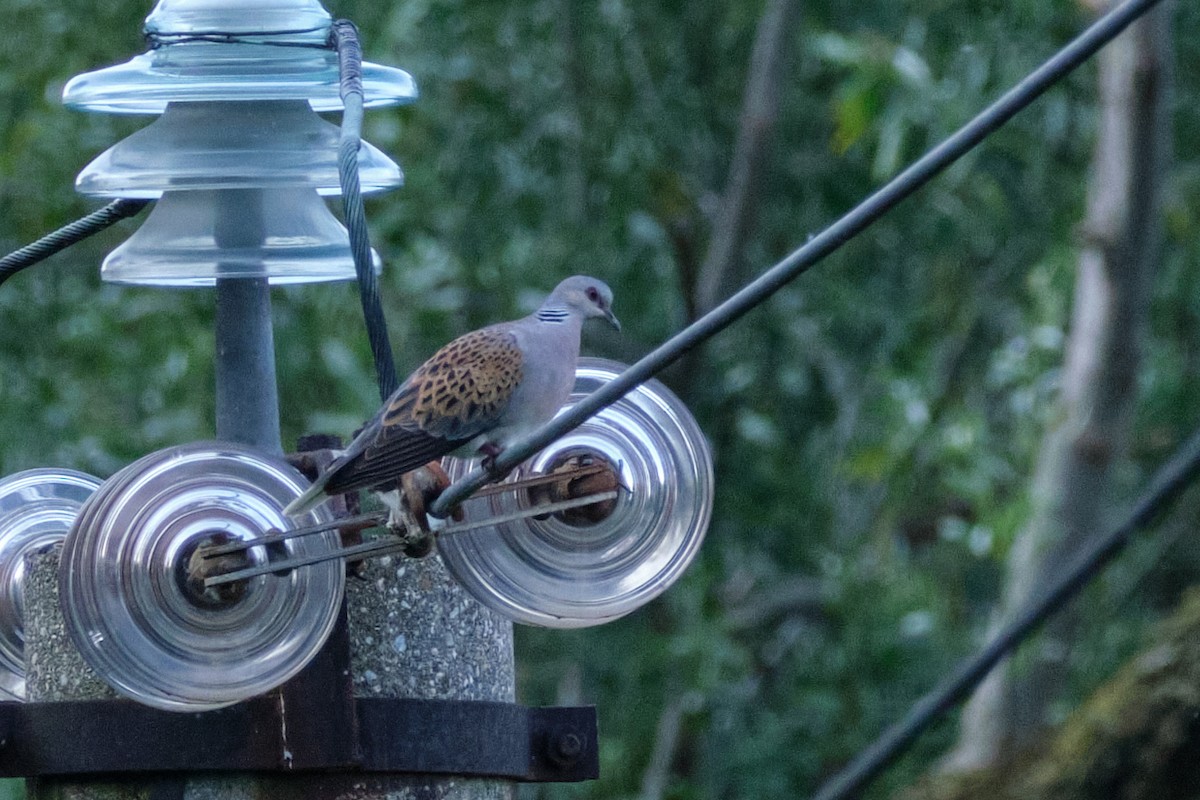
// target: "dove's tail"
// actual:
[[312, 497]]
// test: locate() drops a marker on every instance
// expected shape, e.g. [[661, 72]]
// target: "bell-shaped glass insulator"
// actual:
[[198, 237], [224, 145]]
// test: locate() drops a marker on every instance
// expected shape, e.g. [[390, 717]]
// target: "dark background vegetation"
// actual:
[[876, 425]]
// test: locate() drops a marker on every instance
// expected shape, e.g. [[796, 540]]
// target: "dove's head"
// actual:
[[585, 296]]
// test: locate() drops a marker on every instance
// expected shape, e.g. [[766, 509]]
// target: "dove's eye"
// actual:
[[593, 294]]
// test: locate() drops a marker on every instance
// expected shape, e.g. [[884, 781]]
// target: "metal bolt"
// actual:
[[573, 486], [566, 748], [193, 567]]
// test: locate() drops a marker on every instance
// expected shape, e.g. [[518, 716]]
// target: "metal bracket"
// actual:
[[312, 722], [442, 737]]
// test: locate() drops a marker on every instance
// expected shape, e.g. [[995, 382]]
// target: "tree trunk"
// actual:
[[756, 128], [1121, 235], [706, 284]]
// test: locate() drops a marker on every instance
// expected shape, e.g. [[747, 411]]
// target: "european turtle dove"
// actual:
[[478, 393]]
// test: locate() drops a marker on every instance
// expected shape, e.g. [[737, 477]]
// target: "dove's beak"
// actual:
[[611, 319]]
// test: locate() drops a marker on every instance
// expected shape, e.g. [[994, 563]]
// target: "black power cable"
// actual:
[[1165, 487]]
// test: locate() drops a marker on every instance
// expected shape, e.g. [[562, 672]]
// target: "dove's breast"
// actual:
[[550, 352]]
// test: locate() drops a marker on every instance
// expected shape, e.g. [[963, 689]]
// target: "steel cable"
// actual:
[[345, 36], [68, 235]]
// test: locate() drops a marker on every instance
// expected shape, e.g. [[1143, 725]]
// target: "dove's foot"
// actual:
[[491, 451]]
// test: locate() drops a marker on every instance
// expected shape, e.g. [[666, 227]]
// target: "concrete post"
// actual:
[[415, 633]]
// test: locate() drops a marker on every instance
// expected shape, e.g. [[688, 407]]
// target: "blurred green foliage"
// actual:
[[874, 425]]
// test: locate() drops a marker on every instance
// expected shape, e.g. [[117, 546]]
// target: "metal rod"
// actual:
[[378, 547], [532, 511], [843, 230], [247, 396], [394, 543], [361, 521], [538, 480]]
